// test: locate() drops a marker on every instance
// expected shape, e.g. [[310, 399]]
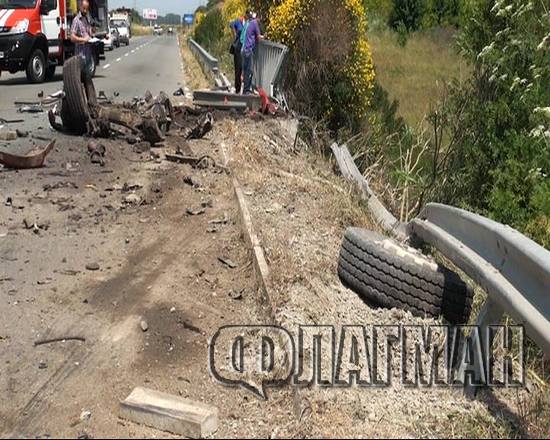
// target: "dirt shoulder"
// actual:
[[300, 209]]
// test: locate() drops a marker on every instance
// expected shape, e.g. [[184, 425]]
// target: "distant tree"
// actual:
[[445, 11], [408, 13], [170, 19], [210, 30]]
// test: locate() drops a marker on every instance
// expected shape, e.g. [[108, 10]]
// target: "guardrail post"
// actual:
[[476, 369]]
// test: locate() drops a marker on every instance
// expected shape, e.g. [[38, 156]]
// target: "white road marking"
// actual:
[[126, 54], [106, 66], [117, 60]]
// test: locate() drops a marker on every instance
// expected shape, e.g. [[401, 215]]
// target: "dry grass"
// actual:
[[415, 74], [138, 29], [194, 76]]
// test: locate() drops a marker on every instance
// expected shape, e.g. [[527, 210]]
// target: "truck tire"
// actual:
[[36, 67], [79, 94], [390, 275]]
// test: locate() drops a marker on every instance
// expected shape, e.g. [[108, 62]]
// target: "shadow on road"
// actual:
[[22, 80]]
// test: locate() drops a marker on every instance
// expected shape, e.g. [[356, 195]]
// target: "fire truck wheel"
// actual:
[[75, 112], [36, 67]]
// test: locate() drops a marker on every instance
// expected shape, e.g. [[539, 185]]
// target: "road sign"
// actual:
[[150, 14], [189, 19]]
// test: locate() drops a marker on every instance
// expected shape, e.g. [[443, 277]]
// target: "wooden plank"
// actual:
[[169, 413]]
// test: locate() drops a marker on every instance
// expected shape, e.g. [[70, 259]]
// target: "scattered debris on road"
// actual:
[[170, 413], [92, 267], [53, 340], [33, 159], [202, 128], [97, 152], [144, 326], [227, 262]]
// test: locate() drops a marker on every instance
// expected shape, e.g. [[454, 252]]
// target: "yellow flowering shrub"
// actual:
[[338, 30], [199, 17], [231, 10]]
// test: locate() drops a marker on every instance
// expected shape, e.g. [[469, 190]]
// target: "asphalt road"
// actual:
[[148, 63]]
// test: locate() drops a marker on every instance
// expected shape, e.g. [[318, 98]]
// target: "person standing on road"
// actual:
[[81, 34], [249, 39], [236, 47]]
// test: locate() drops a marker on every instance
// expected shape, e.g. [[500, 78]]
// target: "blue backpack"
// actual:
[[243, 33]]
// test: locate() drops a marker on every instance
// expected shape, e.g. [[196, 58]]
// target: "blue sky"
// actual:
[[162, 6]]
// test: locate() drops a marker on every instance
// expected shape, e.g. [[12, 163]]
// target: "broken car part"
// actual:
[[33, 159]]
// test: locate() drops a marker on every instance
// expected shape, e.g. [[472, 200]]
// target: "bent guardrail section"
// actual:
[[511, 268], [269, 59]]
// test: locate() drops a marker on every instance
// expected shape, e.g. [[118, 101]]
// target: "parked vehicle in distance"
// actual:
[[35, 35], [122, 23], [111, 39]]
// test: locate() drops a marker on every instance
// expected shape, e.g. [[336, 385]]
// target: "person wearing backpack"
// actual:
[[236, 48], [250, 36]]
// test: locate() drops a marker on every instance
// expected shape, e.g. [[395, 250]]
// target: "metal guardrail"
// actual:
[[268, 68], [209, 64], [511, 268]]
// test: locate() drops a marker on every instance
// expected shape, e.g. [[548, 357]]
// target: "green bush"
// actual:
[[210, 30], [443, 12], [408, 13], [499, 159]]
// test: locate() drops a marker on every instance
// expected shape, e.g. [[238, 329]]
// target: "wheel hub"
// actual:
[[37, 66]]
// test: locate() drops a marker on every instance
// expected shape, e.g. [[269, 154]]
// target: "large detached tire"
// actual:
[[389, 275], [79, 91]]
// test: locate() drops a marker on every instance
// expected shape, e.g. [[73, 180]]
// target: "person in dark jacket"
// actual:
[[237, 26]]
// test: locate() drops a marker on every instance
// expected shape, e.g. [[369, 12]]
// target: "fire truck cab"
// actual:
[[35, 35]]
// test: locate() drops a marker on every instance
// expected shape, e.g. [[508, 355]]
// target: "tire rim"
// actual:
[[37, 66], [92, 66]]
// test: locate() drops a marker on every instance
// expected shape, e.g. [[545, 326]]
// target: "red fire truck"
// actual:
[[35, 35]]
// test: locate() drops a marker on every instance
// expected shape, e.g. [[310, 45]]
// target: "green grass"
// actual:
[[416, 73]]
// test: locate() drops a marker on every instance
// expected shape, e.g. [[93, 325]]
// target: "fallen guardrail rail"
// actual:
[[224, 100], [269, 59], [513, 270], [385, 219]]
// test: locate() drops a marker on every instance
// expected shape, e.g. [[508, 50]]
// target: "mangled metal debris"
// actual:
[[144, 119], [97, 153], [33, 159], [202, 128], [81, 113]]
